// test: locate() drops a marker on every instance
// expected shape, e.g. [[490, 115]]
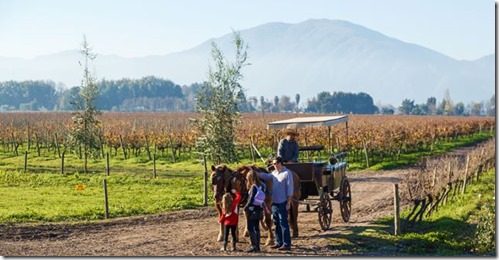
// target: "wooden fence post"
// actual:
[[396, 207], [108, 168], [205, 197], [25, 161], [251, 149], [62, 162], [106, 202], [365, 150], [154, 166]]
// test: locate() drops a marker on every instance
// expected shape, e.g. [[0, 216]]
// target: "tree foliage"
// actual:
[[407, 107], [150, 93], [28, 95], [343, 103], [85, 130], [218, 102]]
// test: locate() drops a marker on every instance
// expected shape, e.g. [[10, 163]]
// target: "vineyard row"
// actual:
[[438, 180], [173, 136]]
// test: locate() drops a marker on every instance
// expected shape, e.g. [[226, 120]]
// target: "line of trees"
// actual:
[[445, 107], [162, 95]]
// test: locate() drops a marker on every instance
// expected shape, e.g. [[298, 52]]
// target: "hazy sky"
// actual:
[[462, 29]]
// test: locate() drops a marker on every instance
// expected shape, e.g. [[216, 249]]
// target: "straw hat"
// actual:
[[291, 131]]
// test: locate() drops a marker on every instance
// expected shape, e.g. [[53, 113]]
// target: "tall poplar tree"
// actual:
[[85, 131], [218, 102]]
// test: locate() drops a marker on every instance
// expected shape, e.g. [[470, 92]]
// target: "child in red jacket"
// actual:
[[230, 217]]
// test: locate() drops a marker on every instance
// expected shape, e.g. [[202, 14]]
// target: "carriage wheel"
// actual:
[[325, 211], [345, 198]]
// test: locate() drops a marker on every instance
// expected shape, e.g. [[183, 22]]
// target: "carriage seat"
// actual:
[[310, 151], [311, 148]]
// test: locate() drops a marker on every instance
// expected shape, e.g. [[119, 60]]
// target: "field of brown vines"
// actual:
[[131, 133]]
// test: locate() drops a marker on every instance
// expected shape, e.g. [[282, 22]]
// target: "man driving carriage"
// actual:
[[288, 147]]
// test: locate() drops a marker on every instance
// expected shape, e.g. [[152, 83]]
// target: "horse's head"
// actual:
[[243, 170], [240, 182], [268, 163], [218, 181]]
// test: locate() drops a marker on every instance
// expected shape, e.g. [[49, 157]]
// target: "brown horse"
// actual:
[[224, 180], [293, 211]]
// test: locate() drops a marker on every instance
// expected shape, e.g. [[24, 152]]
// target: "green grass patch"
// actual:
[[49, 197]]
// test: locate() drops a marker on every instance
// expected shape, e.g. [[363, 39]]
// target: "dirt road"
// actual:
[[194, 232]]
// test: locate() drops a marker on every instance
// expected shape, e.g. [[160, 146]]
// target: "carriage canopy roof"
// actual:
[[315, 121]]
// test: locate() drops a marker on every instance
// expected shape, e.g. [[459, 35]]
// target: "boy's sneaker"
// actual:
[[251, 250], [286, 248]]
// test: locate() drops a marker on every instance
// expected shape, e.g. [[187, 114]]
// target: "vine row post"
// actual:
[[396, 207], [465, 174], [106, 202]]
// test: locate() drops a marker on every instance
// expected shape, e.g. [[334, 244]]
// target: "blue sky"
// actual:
[[462, 29]]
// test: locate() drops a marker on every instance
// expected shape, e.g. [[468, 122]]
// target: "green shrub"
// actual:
[[486, 230]]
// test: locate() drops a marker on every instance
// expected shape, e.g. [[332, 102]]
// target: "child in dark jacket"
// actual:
[[254, 212], [230, 217]]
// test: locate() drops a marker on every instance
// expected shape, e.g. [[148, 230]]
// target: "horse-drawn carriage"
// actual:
[[315, 183], [324, 180]]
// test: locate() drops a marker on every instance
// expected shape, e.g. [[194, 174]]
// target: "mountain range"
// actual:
[[305, 58]]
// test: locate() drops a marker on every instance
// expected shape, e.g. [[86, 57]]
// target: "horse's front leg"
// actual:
[[221, 233], [269, 223], [246, 232], [237, 233], [293, 217], [221, 230]]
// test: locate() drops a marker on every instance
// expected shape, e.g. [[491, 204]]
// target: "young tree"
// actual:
[[388, 110], [262, 105], [458, 109], [448, 105], [431, 103], [276, 104], [297, 101], [285, 104], [476, 108], [491, 106], [85, 131], [218, 102], [406, 107]]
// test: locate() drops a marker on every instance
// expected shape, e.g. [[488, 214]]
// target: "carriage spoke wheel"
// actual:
[[325, 211], [345, 198]]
